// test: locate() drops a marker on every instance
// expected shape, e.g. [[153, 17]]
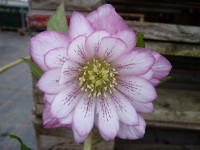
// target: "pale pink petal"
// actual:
[[111, 48], [83, 119], [48, 120], [49, 82], [65, 101], [55, 58], [76, 49], [49, 98], [129, 37], [79, 139], [134, 63], [132, 132], [148, 75], [125, 110], [67, 120], [69, 71], [155, 82], [137, 88], [79, 25], [106, 18], [44, 42], [143, 107], [93, 42], [107, 119]]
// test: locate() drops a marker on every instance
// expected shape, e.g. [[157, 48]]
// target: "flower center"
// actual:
[[97, 78]]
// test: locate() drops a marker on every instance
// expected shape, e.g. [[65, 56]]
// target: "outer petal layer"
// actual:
[[106, 18], [44, 42], [79, 139], [137, 88], [132, 132], [79, 25]]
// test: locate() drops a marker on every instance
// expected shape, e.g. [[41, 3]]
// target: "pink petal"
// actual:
[[83, 119], [148, 75], [132, 132], [79, 25], [49, 82], [69, 71], [106, 18], [143, 107], [107, 119], [79, 139], [129, 37], [48, 120], [125, 110], [55, 58], [137, 88], [67, 120], [111, 48], [49, 98], [65, 101], [44, 42], [154, 82], [76, 49], [93, 42], [134, 63]]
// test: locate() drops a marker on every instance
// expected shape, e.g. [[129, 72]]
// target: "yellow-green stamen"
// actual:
[[97, 78]]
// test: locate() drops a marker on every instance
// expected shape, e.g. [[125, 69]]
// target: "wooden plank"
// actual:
[[80, 5], [167, 32]]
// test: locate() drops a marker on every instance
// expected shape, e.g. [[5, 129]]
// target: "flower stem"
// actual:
[[88, 142]]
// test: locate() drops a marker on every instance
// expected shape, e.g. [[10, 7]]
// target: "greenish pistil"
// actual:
[[97, 78]]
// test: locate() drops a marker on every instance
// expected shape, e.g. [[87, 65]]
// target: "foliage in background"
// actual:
[[23, 146], [58, 21], [140, 40]]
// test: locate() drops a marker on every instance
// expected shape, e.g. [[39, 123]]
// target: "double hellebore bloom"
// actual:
[[94, 76]]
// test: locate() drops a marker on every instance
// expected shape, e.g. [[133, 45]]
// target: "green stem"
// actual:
[[12, 64], [88, 142]]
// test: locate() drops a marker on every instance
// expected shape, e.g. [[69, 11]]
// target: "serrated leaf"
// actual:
[[35, 70], [166, 79], [23, 146], [58, 22], [140, 40]]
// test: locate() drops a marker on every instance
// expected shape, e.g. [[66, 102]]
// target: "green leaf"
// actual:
[[23, 146], [58, 21], [140, 40], [35, 70], [166, 79]]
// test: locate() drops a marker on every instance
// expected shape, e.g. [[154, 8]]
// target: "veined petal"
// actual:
[[134, 63], [79, 139], [137, 88], [111, 48], [132, 132], [55, 58], [124, 109], [83, 118], [148, 75], [65, 101], [93, 42], [67, 120], [107, 119], [69, 71], [49, 82], [76, 49], [106, 18], [129, 37], [79, 25], [49, 98], [48, 120], [44, 42]]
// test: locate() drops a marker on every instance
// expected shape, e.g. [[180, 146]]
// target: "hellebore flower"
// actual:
[[94, 76]]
